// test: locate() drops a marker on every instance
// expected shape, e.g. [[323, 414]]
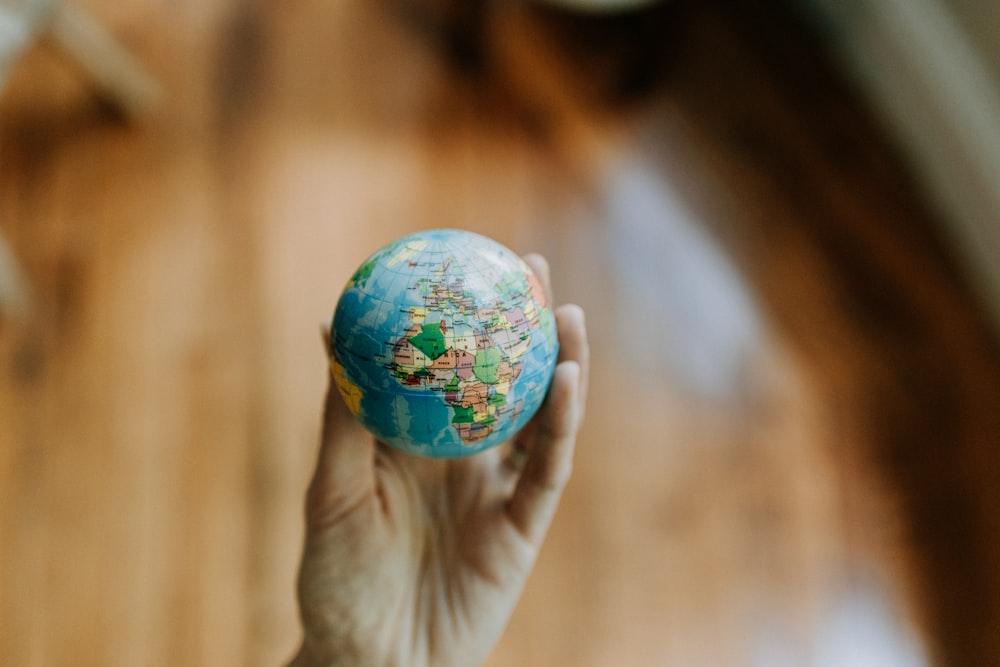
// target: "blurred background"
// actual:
[[780, 217]]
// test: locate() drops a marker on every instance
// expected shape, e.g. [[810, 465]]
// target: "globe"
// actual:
[[443, 343]]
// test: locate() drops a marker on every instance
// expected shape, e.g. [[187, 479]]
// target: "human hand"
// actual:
[[420, 562]]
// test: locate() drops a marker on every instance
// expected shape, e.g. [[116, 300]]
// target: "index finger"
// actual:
[[550, 455]]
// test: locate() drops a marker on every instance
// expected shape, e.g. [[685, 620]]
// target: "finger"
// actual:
[[551, 437], [345, 466], [550, 461], [573, 344], [570, 324]]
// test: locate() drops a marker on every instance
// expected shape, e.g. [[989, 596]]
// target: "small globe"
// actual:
[[443, 344]]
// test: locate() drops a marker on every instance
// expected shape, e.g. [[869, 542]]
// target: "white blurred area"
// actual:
[[685, 307], [863, 629], [18, 25], [114, 74], [15, 34], [931, 69]]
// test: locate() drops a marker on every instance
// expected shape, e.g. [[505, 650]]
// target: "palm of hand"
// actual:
[[424, 571]]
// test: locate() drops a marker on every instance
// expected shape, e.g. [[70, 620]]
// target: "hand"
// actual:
[[420, 562]]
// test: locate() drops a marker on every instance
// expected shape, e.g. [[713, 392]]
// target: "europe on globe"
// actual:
[[443, 343]]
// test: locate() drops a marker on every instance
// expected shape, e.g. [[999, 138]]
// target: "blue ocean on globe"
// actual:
[[443, 343]]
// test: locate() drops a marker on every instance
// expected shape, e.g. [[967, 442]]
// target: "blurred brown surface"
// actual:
[[793, 437]]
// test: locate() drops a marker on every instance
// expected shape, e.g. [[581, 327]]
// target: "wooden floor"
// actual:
[[794, 431]]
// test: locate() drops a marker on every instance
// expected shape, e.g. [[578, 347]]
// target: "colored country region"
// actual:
[[463, 415], [363, 273], [512, 285], [537, 291], [487, 362], [351, 393], [430, 340]]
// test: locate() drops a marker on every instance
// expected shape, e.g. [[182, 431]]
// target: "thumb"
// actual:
[[345, 465]]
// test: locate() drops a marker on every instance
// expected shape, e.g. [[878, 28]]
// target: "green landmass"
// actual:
[[430, 340], [487, 362], [463, 415], [363, 273]]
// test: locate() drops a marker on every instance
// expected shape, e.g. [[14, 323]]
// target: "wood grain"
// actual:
[[792, 432]]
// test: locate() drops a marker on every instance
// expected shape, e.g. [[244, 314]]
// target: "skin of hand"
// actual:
[[420, 562]]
